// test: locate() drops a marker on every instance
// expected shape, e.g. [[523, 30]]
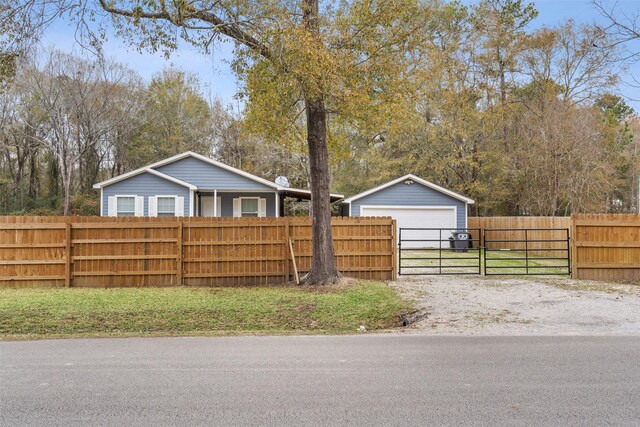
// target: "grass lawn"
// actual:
[[48, 313], [498, 262]]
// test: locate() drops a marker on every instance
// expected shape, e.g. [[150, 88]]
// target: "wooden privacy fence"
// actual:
[[606, 247], [100, 251], [110, 252]]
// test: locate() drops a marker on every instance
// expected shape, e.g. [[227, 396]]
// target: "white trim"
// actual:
[[454, 208], [112, 206], [175, 202], [408, 207], [262, 207], [237, 207], [413, 178], [250, 198], [192, 203], [172, 179], [102, 203], [217, 205], [466, 215], [277, 204], [181, 156], [349, 208], [141, 171], [139, 206], [237, 191], [126, 195], [259, 200], [152, 206]]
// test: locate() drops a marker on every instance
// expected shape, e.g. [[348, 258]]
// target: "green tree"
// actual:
[[175, 118]]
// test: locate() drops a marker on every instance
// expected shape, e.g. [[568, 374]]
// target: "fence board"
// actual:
[[110, 252], [607, 247]]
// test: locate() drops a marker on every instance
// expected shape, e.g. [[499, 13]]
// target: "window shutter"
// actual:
[[219, 207], [112, 206], [179, 206], [262, 208], [153, 206], [139, 206], [237, 208]]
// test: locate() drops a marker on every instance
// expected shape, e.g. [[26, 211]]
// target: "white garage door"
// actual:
[[418, 217]]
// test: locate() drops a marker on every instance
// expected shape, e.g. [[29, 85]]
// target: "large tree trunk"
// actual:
[[323, 264]]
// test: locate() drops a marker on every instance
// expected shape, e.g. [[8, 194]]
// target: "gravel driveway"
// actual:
[[476, 305]]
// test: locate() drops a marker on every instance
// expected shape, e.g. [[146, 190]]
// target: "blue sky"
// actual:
[[217, 79]]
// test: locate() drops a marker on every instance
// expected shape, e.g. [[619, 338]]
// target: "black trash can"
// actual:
[[460, 241]]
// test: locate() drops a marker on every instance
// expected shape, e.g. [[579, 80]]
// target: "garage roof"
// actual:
[[415, 179]]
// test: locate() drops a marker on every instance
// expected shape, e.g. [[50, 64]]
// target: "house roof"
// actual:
[[295, 192], [415, 179], [180, 157], [146, 169]]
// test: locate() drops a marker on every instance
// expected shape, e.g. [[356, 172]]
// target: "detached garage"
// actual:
[[414, 203]]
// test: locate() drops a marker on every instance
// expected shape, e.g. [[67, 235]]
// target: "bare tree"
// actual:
[[81, 100], [562, 158], [580, 60], [623, 26]]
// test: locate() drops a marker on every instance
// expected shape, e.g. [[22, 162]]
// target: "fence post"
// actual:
[[287, 267], [179, 260], [573, 250], [394, 259], [67, 263]]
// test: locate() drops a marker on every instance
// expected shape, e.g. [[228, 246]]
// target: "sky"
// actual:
[[217, 80]]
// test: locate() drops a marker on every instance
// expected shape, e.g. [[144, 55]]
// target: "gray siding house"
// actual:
[[414, 203], [190, 184]]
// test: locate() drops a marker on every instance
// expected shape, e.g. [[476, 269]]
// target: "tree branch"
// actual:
[[219, 25]]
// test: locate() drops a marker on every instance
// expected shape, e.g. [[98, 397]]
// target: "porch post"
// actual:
[[215, 203]]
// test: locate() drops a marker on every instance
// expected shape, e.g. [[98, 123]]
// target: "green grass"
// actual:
[[457, 262], [44, 313]]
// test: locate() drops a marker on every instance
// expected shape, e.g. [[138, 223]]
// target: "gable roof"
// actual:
[[151, 169], [180, 157], [140, 171], [415, 179]]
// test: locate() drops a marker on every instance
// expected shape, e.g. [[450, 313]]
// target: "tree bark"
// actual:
[[33, 174], [323, 264]]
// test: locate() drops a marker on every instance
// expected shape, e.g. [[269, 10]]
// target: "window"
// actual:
[[249, 207], [166, 206], [126, 206]]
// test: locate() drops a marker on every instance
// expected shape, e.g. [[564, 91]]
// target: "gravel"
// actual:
[[476, 305]]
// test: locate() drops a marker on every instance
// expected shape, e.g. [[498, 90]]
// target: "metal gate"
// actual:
[[489, 251], [435, 251], [526, 251]]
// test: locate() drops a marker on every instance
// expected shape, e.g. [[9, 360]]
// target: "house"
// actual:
[[414, 203], [190, 184]]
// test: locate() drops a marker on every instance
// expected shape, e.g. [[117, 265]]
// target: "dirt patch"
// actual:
[[479, 305]]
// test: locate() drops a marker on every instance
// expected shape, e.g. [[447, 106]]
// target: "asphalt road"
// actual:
[[354, 380]]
